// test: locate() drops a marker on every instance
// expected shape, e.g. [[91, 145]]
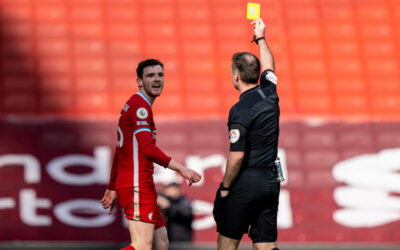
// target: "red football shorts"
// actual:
[[140, 204]]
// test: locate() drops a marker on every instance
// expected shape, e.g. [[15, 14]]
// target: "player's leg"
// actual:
[[160, 241], [142, 234], [225, 243], [265, 246]]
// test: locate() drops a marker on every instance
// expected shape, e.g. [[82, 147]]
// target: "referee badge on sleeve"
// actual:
[[234, 135], [271, 77]]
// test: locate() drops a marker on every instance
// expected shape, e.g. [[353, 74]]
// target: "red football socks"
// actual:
[[130, 247]]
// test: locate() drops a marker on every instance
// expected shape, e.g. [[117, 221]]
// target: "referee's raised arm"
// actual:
[[266, 57]]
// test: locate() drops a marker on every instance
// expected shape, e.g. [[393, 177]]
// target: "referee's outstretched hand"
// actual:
[[259, 28]]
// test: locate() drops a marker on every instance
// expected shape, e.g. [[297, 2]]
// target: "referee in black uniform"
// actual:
[[248, 197]]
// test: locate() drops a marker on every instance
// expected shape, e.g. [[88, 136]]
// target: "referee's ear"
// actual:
[[237, 76]]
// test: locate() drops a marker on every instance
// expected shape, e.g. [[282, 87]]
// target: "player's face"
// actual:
[[153, 81]]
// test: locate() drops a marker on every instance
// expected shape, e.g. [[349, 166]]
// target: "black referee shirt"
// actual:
[[254, 123]]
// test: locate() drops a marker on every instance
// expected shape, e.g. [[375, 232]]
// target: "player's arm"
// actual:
[[110, 194], [114, 170], [266, 57], [187, 173], [153, 153], [149, 149]]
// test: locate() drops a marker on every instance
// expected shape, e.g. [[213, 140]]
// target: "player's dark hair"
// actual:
[[247, 65], [146, 63]]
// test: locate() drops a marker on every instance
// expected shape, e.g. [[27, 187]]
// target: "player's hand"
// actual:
[[259, 28], [108, 200], [191, 175]]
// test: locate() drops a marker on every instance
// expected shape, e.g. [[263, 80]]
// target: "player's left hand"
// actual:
[[108, 200], [191, 175]]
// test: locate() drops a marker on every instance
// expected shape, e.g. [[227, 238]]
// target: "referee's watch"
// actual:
[[222, 188]]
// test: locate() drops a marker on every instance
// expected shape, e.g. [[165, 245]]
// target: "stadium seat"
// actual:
[[122, 12], [123, 30], [54, 65], [340, 30], [198, 12], [385, 85], [86, 29], [91, 83], [87, 12], [124, 47], [351, 105], [56, 103], [50, 47], [50, 12], [162, 13], [90, 65], [342, 48], [92, 101], [22, 102]]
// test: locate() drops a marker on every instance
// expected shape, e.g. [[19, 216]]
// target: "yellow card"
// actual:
[[253, 11]]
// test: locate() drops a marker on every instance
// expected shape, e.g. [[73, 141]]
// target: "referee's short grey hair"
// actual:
[[247, 65]]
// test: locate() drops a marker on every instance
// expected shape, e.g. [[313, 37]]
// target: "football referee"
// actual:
[[248, 197]]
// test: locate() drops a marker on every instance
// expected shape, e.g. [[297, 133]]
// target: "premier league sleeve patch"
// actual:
[[234, 135], [142, 113]]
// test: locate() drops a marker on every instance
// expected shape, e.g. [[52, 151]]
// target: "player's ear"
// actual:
[[139, 82]]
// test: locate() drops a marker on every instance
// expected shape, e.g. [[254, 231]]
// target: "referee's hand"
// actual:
[[259, 28], [224, 193]]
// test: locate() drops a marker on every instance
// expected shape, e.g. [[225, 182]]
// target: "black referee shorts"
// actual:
[[252, 201]]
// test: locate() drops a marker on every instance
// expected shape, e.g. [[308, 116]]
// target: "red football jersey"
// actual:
[[136, 150]]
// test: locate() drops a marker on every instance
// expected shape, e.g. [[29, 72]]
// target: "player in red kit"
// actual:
[[131, 178]]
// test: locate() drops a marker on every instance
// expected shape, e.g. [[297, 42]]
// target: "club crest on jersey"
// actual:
[[271, 77], [234, 135], [142, 113], [150, 216]]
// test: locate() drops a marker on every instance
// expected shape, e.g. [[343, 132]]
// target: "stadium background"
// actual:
[[68, 66]]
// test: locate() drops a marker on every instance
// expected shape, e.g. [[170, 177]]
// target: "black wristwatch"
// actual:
[[222, 188]]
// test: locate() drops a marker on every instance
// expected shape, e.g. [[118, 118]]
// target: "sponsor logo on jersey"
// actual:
[[126, 107], [150, 216], [271, 77], [234, 135], [142, 123], [142, 113]]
